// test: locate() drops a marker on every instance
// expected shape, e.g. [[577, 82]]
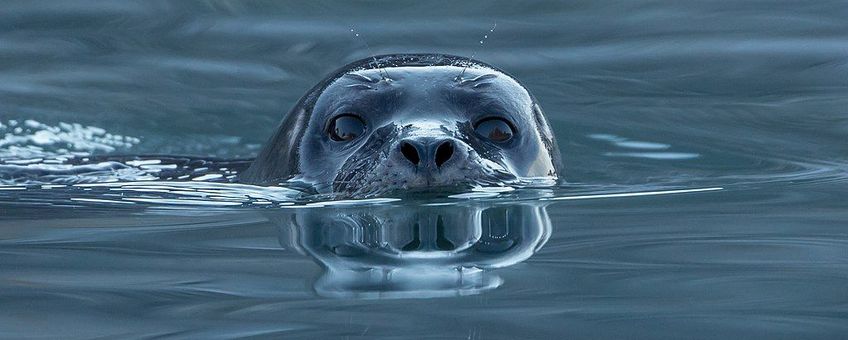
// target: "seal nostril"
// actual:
[[444, 153], [410, 152]]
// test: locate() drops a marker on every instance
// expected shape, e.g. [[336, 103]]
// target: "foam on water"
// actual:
[[32, 140]]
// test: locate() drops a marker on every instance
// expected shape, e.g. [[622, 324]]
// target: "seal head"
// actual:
[[411, 122]]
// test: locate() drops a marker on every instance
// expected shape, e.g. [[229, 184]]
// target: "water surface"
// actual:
[[704, 147]]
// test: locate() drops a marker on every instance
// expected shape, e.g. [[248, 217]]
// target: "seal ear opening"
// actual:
[[279, 159]]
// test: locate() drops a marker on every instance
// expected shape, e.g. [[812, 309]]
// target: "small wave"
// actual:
[[655, 155], [151, 194]]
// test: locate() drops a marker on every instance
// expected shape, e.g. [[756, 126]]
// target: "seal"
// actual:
[[411, 122]]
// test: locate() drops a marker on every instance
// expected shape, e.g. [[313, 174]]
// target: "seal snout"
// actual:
[[427, 152]]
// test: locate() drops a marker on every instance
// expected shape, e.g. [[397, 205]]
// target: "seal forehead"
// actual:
[[410, 93], [460, 76], [423, 82]]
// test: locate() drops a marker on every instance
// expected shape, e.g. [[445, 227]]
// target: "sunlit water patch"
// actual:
[[649, 149]]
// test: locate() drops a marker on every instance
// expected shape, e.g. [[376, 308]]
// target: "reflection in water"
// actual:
[[397, 252]]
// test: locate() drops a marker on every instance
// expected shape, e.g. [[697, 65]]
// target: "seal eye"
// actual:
[[495, 129], [346, 128]]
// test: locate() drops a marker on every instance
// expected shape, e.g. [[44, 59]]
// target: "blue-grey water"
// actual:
[[706, 168]]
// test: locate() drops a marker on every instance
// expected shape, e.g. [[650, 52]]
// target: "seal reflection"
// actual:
[[413, 252]]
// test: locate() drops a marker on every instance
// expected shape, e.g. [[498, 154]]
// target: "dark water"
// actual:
[[704, 144]]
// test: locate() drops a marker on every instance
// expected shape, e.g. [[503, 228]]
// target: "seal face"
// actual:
[[411, 122]]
